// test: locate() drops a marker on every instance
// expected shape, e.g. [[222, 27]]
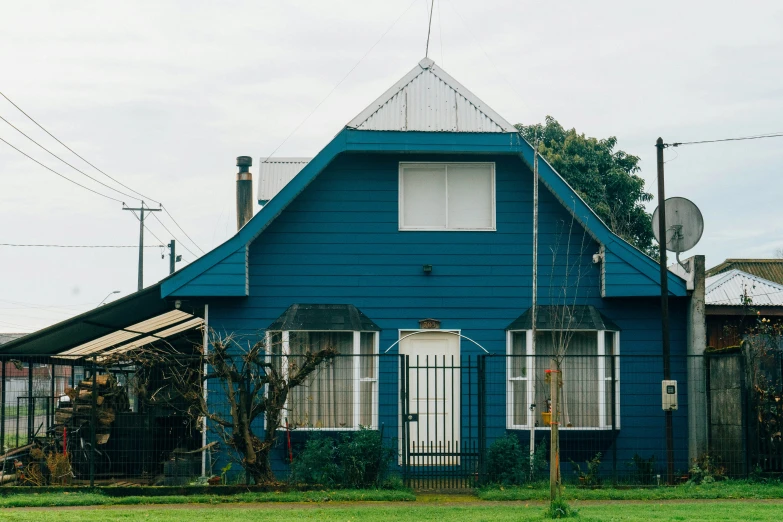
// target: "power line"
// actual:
[[59, 158], [91, 165], [429, 29], [75, 246], [755, 137], [172, 235], [341, 81], [61, 175], [162, 245], [73, 151], [182, 229]]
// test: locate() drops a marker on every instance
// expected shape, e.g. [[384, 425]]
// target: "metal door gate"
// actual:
[[443, 411]]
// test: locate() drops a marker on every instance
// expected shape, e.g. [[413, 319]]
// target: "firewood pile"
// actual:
[[77, 416]]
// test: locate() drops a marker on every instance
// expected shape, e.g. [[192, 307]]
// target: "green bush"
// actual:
[[508, 462], [316, 463], [358, 460], [363, 459]]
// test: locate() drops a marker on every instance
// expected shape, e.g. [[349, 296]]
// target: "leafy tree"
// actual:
[[604, 177]]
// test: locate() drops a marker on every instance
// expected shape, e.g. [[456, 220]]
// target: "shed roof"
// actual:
[[275, 173], [133, 321], [579, 317], [428, 99], [770, 269], [732, 287], [323, 317]]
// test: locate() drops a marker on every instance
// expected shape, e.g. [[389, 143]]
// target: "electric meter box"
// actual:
[[669, 395]]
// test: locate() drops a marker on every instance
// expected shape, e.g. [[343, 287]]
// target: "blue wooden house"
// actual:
[[418, 214], [407, 244]]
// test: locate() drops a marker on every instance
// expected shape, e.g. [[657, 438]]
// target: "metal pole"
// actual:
[[93, 418], [141, 247], [2, 408], [665, 305], [534, 301], [172, 255], [30, 403]]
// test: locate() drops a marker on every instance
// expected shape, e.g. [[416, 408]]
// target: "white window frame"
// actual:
[[401, 202], [357, 378], [530, 369]]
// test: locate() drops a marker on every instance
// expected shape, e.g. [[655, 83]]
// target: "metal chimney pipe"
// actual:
[[244, 191]]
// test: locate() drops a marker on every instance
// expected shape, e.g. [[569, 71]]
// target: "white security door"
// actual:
[[433, 397]]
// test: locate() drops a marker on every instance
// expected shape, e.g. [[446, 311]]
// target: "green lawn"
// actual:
[[730, 489], [706, 511]]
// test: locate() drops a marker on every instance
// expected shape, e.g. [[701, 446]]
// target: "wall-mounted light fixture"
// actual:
[[427, 269]]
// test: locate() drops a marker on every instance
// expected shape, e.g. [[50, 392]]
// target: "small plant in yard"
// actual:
[[559, 508], [591, 477], [706, 470], [643, 469]]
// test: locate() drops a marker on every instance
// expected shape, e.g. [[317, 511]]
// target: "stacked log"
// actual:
[[111, 399]]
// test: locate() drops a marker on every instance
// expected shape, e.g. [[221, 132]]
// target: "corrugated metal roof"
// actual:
[[428, 99], [770, 269], [728, 289], [275, 173], [159, 327]]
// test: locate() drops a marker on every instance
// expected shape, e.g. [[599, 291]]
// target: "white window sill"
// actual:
[[571, 428]]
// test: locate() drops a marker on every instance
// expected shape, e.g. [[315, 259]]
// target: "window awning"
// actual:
[[323, 317], [578, 317], [131, 322]]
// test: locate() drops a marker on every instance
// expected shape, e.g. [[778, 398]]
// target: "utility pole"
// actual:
[[667, 371], [173, 257], [141, 239]]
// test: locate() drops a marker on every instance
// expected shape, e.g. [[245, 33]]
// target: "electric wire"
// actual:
[[88, 163], [62, 160], [742, 138], [39, 245], [519, 97], [172, 235], [429, 30], [74, 152], [341, 81], [182, 229], [61, 175]]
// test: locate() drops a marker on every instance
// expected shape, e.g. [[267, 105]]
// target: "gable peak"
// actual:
[[428, 99]]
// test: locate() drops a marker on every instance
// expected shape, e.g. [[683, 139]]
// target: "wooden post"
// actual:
[[554, 440]]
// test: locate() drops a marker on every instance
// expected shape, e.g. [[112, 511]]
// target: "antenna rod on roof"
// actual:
[[429, 29]]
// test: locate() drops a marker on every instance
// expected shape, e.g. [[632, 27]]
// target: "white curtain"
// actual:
[[580, 378], [325, 399]]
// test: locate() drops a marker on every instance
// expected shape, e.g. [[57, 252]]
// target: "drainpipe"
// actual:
[[244, 191]]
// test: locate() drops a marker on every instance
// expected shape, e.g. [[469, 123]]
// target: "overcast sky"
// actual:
[[164, 95]]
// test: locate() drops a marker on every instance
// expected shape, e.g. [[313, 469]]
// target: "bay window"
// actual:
[[591, 360], [342, 393]]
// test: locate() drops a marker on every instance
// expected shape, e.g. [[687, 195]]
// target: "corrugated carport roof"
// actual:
[[134, 320]]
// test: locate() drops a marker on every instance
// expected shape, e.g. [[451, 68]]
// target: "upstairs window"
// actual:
[[447, 196]]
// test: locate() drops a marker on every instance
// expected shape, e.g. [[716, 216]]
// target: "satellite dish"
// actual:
[[684, 224]]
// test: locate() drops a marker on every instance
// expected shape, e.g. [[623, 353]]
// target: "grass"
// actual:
[[730, 489], [637, 512], [99, 499]]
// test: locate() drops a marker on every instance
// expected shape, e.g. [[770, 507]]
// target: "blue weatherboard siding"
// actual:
[[409, 143], [338, 242]]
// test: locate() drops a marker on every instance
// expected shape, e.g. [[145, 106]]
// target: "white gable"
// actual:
[[275, 173], [428, 99], [728, 289]]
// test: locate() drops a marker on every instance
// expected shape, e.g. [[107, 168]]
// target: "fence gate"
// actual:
[[443, 419]]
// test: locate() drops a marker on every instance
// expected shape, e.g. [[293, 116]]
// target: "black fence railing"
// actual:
[[445, 418]]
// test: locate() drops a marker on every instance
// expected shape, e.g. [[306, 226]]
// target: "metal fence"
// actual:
[[442, 416]]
